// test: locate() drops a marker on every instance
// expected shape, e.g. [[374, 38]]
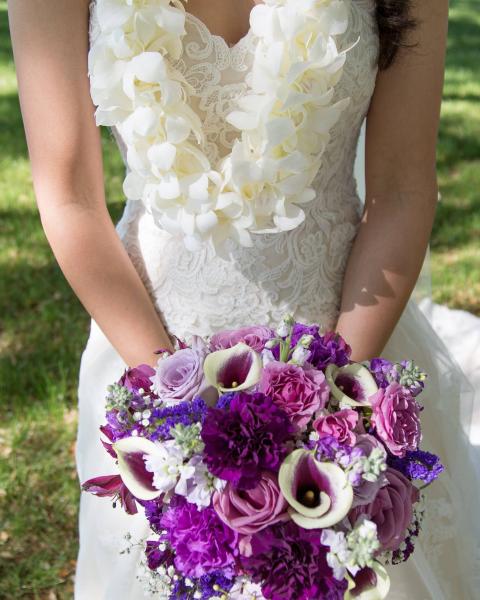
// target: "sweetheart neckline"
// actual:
[[216, 36]]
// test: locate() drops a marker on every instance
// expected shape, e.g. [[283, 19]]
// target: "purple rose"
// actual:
[[365, 492], [255, 337], [396, 418], [298, 392], [340, 425], [249, 511], [391, 510], [179, 377], [137, 378]]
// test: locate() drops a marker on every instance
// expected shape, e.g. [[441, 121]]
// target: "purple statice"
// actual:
[[418, 464], [202, 542], [291, 562], [214, 584], [225, 400], [154, 513], [245, 440], [326, 349], [184, 413]]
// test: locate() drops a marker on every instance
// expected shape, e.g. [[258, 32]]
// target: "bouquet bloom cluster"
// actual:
[[269, 465]]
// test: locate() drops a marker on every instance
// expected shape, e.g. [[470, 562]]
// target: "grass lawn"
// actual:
[[43, 327]]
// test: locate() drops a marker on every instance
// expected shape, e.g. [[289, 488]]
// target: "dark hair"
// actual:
[[394, 21]]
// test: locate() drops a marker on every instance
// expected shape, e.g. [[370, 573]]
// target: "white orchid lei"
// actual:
[[284, 120]]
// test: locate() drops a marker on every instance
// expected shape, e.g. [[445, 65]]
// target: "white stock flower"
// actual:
[[168, 469]]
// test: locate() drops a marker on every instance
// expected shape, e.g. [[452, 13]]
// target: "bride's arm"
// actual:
[[401, 186], [50, 43]]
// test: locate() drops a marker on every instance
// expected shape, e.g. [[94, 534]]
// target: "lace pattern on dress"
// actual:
[[299, 271]]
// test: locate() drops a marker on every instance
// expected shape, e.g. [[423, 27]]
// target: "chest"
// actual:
[[218, 71], [228, 19]]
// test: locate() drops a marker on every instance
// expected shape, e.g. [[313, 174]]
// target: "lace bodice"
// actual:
[[299, 271]]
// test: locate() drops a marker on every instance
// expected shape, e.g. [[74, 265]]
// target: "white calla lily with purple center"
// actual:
[[369, 584], [318, 493], [351, 385], [234, 369], [132, 453]]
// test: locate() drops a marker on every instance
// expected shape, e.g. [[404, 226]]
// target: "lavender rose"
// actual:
[[391, 510], [179, 377], [298, 392], [249, 511], [255, 336], [340, 425], [396, 418]]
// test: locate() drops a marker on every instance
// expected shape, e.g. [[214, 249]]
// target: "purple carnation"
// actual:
[[418, 464], [247, 439], [157, 557], [201, 540], [290, 562], [326, 349]]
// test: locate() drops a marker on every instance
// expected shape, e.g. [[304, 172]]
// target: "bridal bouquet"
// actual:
[[269, 465]]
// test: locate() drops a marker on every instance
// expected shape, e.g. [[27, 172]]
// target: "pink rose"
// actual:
[[255, 337], [299, 392], [391, 510], [396, 418], [249, 511], [340, 425]]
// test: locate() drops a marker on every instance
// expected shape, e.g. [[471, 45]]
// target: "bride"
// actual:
[[167, 270]]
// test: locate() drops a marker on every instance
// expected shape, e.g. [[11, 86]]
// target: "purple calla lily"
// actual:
[[318, 493], [234, 369], [351, 385], [131, 453]]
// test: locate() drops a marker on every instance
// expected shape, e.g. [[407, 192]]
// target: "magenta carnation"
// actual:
[[396, 418], [290, 562], [299, 392], [202, 542], [246, 439]]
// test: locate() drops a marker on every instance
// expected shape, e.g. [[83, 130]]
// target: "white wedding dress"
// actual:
[[301, 272]]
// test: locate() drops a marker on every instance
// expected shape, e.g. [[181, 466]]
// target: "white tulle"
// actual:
[[299, 271]]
